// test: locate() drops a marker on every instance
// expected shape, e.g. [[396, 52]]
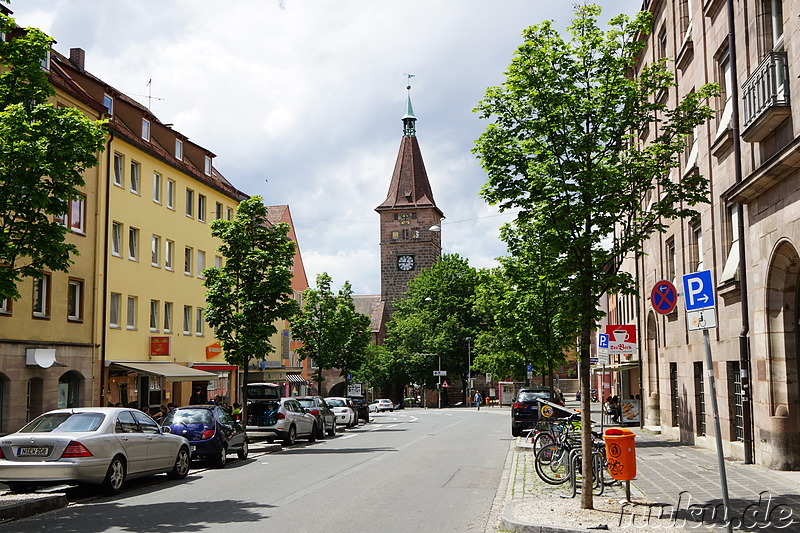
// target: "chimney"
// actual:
[[77, 56]]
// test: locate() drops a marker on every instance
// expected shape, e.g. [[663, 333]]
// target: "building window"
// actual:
[[406, 234], [187, 260], [41, 296], [207, 166], [77, 215], [201, 263], [228, 213], [119, 166], [155, 251], [674, 394], [669, 253], [725, 80], [116, 239], [5, 306], [731, 268], [695, 248], [146, 130], [201, 208], [187, 319], [113, 310], [405, 218], [218, 211], [45, 62], [217, 261], [169, 255], [132, 307], [662, 43], [189, 203], [135, 177], [395, 235], [684, 16], [179, 149], [108, 103], [154, 306], [75, 300], [167, 317], [737, 419], [198, 329], [699, 398], [157, 187], [776, 24], [170, 194], [133, 244]]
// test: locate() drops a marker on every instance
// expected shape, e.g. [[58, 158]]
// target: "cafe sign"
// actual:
[[159, 346], [622, 339]]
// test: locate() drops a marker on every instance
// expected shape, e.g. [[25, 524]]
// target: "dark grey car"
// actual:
[[326, 418]]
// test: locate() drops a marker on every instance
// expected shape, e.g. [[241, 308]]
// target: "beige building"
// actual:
[[754, 182]]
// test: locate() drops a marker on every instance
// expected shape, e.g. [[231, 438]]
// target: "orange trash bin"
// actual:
[[621, 453]]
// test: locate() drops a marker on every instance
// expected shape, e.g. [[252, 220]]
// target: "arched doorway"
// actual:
[[653, 406], [69, 389]]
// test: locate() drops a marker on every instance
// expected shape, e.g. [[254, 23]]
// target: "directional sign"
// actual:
[[440, 372], [602, 340], [664, 296], [698, 290]]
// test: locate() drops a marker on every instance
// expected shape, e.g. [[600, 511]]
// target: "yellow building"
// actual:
[[162, 195], [47, 341]]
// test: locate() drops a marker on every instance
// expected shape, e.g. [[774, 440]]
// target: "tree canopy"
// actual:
[[564, 149], [44, 151]]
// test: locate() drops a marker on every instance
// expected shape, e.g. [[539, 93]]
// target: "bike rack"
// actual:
[[598, 481]]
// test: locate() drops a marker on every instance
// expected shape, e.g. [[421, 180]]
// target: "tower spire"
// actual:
[[409, 128]]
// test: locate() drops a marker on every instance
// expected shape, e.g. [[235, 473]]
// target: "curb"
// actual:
[[507, 524], [31, 506]]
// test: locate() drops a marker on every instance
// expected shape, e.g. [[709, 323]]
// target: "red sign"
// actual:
[[213, 350], [624, 334], [159, 346], [663, 297]]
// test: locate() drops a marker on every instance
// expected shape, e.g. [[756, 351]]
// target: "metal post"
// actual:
[[440, 381], [715, 410], [469, 370]]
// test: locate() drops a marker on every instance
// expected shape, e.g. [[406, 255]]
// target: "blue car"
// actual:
[[212, 432]]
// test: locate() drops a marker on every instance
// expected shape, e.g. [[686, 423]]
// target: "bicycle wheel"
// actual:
[[551, 464], [541, 440]]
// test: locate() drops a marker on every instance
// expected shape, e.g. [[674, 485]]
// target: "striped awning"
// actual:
[[296, 378]]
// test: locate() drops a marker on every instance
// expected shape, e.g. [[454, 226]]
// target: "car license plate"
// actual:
[[32, 451]]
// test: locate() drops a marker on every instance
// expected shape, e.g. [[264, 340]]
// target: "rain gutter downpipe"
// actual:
[[104, 334]]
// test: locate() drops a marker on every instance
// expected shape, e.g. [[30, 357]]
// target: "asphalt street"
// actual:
[[410, 470]]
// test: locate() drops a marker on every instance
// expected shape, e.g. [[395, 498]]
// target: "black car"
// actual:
[[362, 407], [525, 410], [212, 432], [326, 419]]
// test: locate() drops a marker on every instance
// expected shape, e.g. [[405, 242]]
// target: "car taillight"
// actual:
[[2, 455], [76, 449], [517, 405], [207, 434], [281, 416], [314, 412]]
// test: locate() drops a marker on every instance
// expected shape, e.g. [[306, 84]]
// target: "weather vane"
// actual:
[[409, 76]]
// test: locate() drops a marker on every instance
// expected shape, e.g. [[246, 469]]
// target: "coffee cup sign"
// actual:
[[622, 338]]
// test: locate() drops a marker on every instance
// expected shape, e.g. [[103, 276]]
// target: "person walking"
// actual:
[[478, 399]]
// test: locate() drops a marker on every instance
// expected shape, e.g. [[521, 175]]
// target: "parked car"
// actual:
[[362, 408], [102, 446], [382, 404], [344, 410], [212, 432], [283, 419], [263, 391], [326, 419], [525, 409]]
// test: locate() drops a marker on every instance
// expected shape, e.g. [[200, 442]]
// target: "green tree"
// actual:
[[332, 332], [44, 151], [434, 319], [252, 291], [564, 149]]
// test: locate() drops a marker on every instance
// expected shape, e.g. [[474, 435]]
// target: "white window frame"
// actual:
[[179, 149], [187, 319], [170, 194], [218, 211], [201, 263], [41, 296], [188, 260], [189, 203], [155, 306], [157, 187], [75, 300], [168, 308], [155, 251], [217, 261], [119, 170], [77, 216], [108, 103], [132, 308], [169, 254], [199, 322], [116, 239], [207, 165], [146, 129], [133, 243], [136, 177], [113, 309], [201, 207]]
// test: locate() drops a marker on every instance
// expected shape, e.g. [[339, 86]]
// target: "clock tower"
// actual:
[[406, 216]]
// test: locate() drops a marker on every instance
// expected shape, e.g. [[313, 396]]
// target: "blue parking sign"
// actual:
[[602, 340], [698, 290]]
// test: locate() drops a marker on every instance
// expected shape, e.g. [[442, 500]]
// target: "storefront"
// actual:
[[223, 389], [154, 384]]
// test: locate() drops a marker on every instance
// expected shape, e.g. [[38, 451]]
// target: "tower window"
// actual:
[[395, 235]]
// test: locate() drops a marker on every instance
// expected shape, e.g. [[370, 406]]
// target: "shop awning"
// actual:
[[215, 368], [169, 371], [295, 378], [615, 367]]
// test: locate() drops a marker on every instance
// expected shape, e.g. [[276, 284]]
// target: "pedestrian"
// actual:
[[478, 399], [196, 398], [237, 412]]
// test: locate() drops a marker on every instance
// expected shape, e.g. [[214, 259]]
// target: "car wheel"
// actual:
[[291, 437], [19, 487], [181, 468], [244, 452], [115, 476], [515, 431], [332, 430], [221, 458], [320, 430], [313, 435]]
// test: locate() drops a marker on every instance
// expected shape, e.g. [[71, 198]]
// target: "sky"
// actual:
[[301, 100]]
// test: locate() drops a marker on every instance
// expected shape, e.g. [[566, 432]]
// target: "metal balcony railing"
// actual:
[[766, 88]]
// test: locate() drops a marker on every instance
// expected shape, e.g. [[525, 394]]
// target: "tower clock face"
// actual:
[[405, 262]]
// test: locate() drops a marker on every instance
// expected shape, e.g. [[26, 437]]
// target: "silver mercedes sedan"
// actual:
[[93, 445]]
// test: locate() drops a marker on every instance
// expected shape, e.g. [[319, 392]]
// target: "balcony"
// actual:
[[766, 97]]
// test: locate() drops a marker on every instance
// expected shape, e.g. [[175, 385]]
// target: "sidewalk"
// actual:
[[677, 487]]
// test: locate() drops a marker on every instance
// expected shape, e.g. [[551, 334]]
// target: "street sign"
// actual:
[[622, 339], [445, 384], [593, 360], [701, 319], [602, 340], [602, 356], [529, 368], [664, 297], [440, 372], [698, 290]]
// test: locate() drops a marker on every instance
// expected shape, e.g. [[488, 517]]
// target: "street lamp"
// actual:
[[469, 369]]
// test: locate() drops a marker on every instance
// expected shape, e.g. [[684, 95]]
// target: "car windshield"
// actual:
[[335, 403], [531, 396], [189, 416], [307, 402], [63, 422]]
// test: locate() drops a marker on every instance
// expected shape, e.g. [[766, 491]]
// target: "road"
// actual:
[[410, 470]]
